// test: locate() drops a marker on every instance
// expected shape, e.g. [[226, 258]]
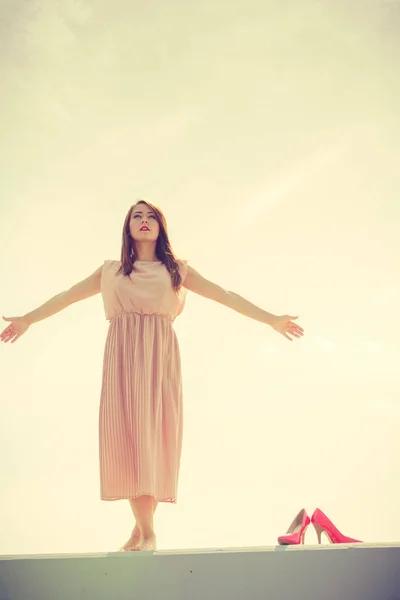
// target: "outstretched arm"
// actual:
[[200, 285], [84, 289], [80, 291]]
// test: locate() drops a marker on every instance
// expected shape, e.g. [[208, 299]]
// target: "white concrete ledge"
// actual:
[[331, 572]]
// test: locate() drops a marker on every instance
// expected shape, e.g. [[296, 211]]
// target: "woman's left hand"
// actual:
[[284, 325]]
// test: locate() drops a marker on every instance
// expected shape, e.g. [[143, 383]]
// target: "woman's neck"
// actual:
[[145, 253]]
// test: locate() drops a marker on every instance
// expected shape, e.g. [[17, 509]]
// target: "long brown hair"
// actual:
[[164, 251]]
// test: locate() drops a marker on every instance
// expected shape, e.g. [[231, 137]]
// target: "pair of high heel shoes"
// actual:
[[297, 530]]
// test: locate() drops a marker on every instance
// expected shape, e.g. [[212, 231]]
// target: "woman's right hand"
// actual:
[[17, 326]]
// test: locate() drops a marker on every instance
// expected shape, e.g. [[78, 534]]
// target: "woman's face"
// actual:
[[144, 226]]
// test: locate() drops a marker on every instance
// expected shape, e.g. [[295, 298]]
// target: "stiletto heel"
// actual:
[[318, 530], [297, 530], [322, 524], [304, 534]]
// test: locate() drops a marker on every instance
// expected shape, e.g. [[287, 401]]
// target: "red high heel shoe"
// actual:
[[297, 530], [322, 524]]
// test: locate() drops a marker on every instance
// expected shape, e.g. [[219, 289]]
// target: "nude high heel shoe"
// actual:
[[297, 530], [322, 524]]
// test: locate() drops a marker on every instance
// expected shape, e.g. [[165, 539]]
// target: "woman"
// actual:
[[140, 422]]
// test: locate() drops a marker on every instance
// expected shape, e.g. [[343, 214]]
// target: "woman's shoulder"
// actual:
[[111, 265], [183, 267], [112, 261]]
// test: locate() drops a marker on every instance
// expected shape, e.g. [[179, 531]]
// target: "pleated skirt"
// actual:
[[140, 416]]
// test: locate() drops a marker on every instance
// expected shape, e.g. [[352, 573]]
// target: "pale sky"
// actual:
[[268, 132]]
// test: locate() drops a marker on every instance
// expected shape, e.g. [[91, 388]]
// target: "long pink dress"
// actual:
[[140, 420]]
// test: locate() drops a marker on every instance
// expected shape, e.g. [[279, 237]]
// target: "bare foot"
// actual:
[[134, 541], [149, 543]]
